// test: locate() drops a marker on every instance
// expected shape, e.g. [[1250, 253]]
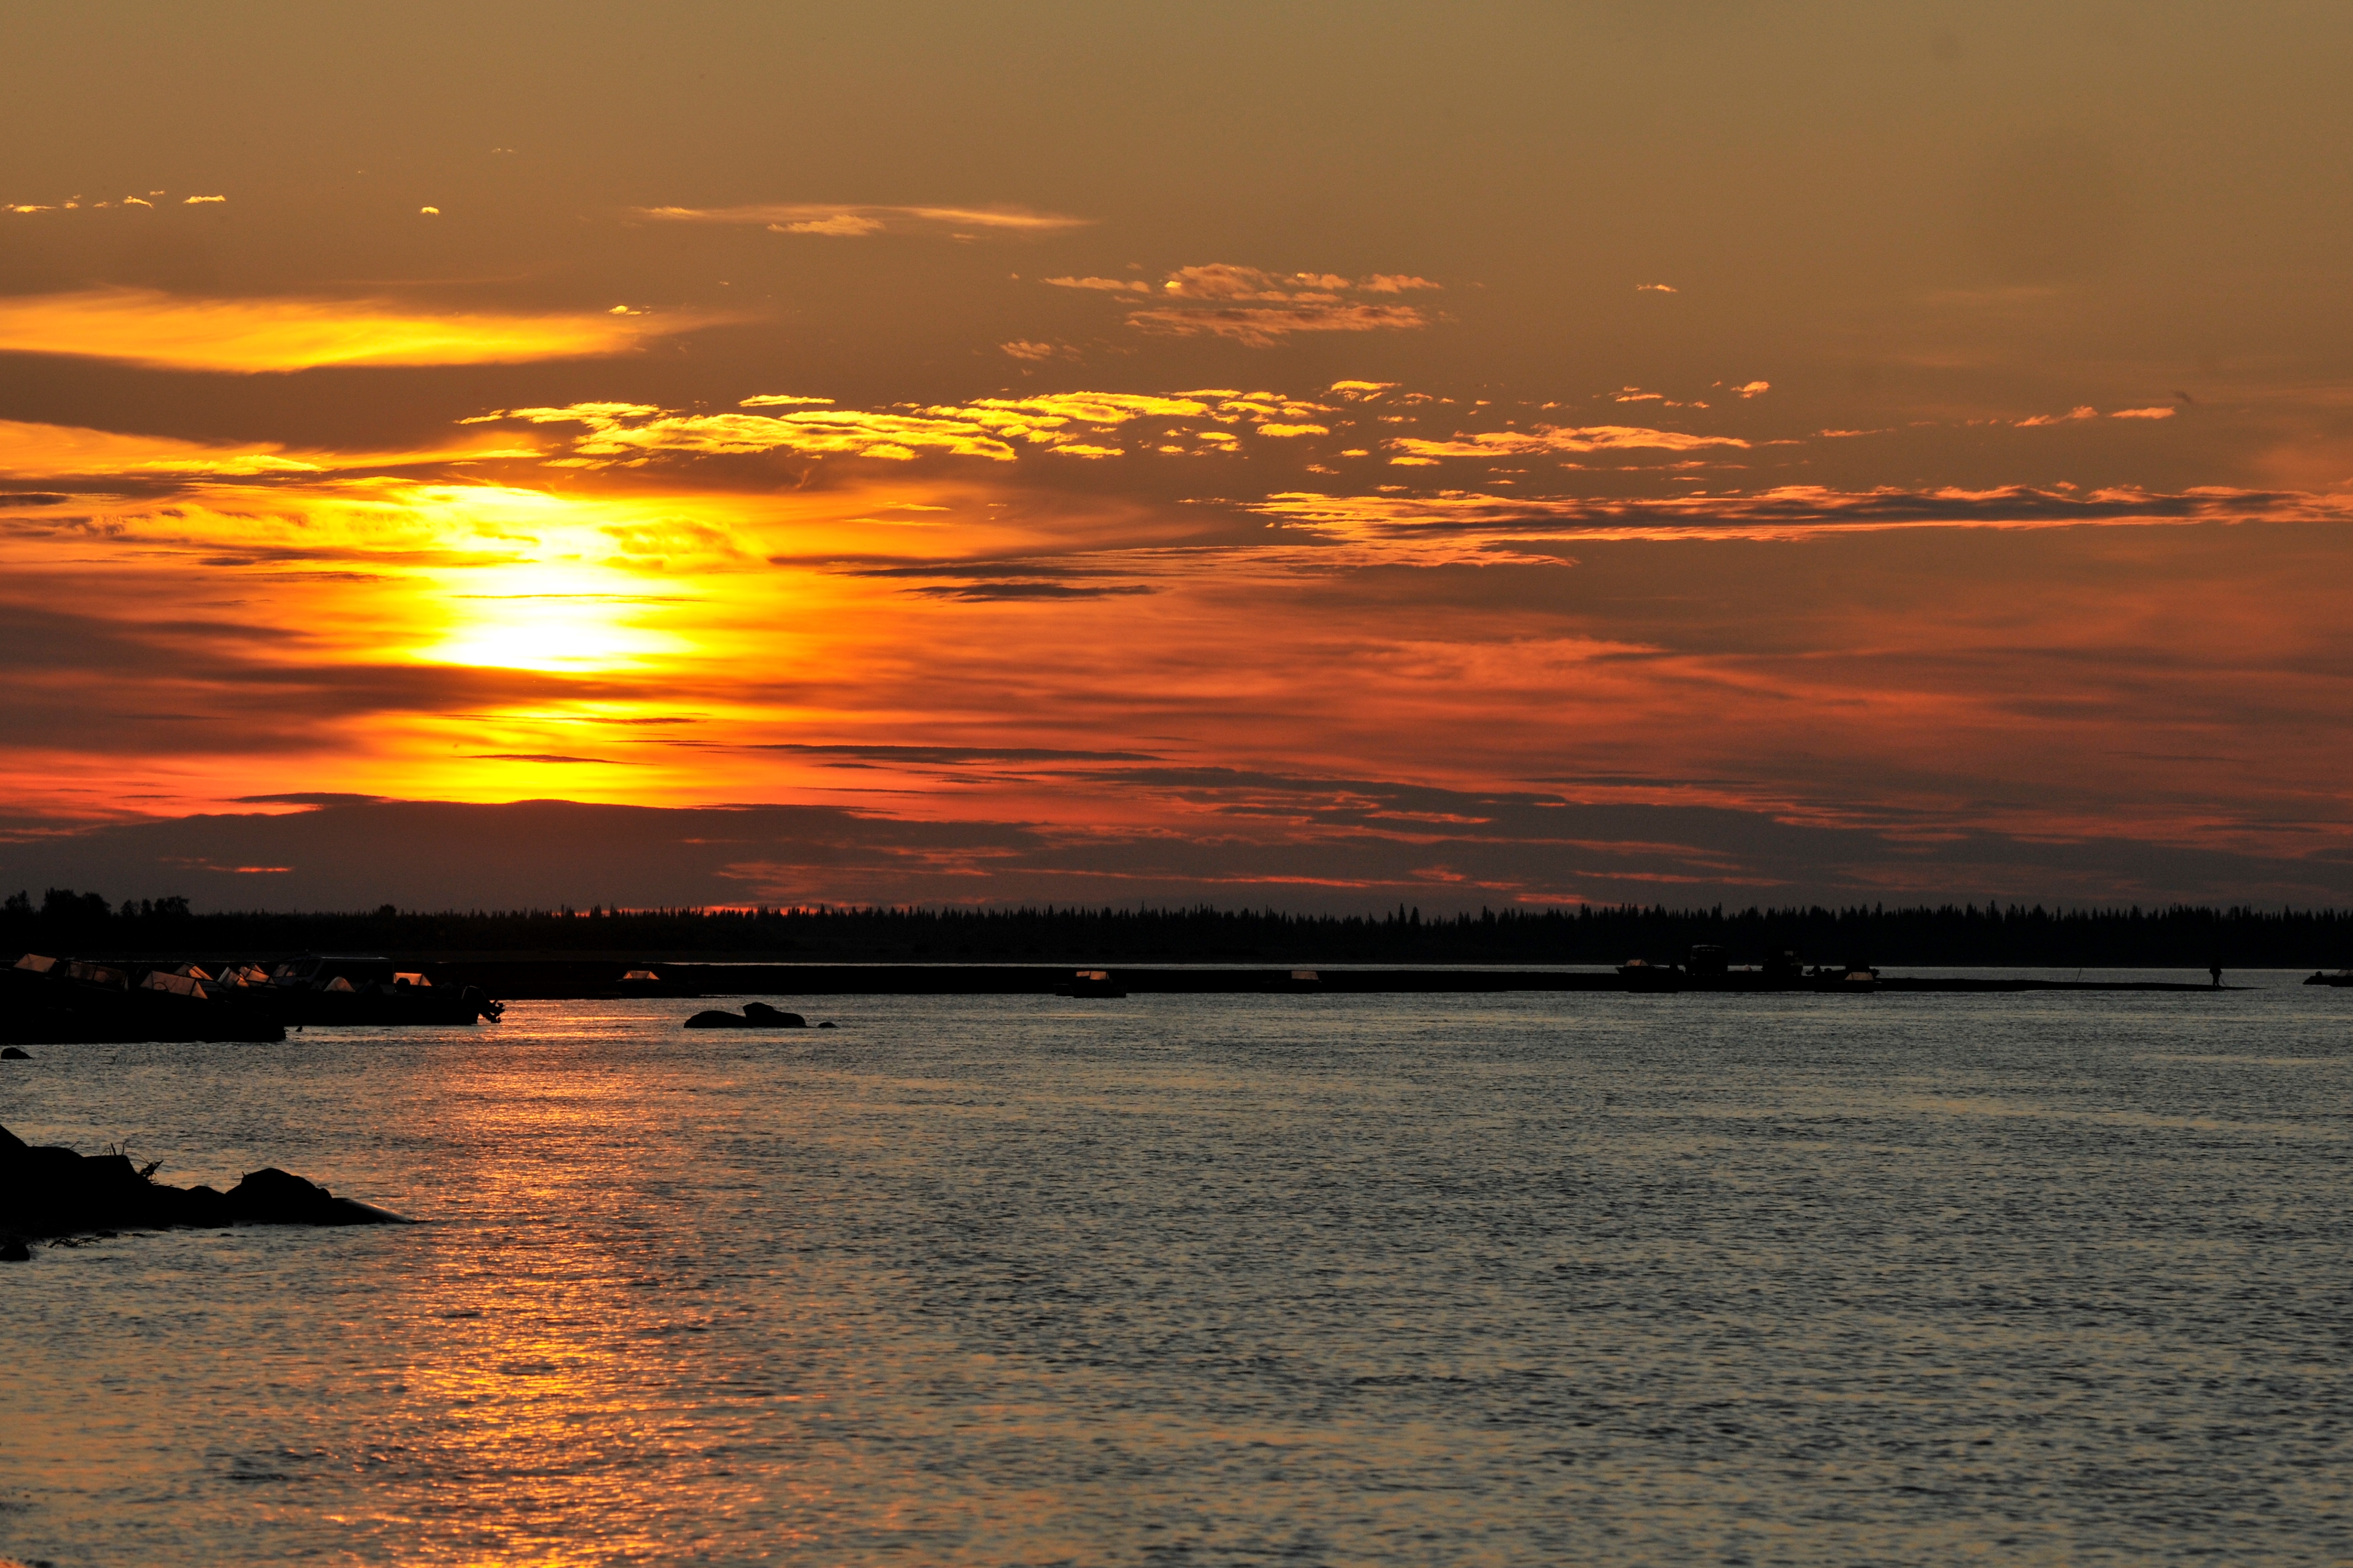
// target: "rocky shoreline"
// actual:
[[47, 1192]]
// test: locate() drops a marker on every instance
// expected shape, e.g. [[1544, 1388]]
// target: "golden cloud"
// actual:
[[857, 220], [1065, 421], [1258, 308], [144, 326], [1547, 438], [30, 450], [634, 433], [843, 225], [1453, 522]]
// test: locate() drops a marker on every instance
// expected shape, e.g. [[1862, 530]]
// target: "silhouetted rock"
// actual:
[[11, 1054], [50, 1191], [754, 1016]]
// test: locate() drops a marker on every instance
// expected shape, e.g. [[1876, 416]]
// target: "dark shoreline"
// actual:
[[572, 980]]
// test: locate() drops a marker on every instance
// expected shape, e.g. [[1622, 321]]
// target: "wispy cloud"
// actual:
[[1102, 285], [2081, 411], [1475, 519], [1258, 309], [857, 220], [1551, 438], [630, 434], [841, 226], [145, 326], [1068, 424], [62, 452], [2159, 412]]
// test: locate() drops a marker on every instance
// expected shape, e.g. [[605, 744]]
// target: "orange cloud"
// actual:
[[1066, 423], [2157, 413], [1455, 522], [1546, 439], [144, 326], [2081, 411], [855, 220], [845, 226], [631, 433], [35, 451], [1261, 327], [1258, 308]]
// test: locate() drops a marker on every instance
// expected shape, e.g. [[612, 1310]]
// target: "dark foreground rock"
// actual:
[[754, 1016], [50, 1191]]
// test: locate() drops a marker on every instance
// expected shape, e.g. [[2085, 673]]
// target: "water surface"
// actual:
[[1421, 1279]]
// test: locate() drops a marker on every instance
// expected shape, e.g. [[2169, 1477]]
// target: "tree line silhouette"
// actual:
[[2176, 936]]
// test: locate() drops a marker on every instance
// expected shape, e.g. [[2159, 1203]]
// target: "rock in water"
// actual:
[[56, 1192], [272, 1196], [754, 1016], [15, 1054]]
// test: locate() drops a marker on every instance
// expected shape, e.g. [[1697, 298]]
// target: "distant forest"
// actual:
[[2182, 936]]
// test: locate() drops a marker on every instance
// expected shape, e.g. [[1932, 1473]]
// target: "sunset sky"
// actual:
[[1326, 456]]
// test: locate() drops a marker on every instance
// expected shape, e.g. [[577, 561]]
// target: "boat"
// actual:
[[1641, 974], [1091, 983]]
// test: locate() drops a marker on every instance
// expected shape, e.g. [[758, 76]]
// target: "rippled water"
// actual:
[[1431, 1279]]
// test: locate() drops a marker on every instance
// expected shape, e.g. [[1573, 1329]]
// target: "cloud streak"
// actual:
[[995, 429], [857, 220], [1258, 309], [149, 328], [1550, 439], [1455, 519]]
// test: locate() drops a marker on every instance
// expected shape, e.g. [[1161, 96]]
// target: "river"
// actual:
[[1530, 1279]]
